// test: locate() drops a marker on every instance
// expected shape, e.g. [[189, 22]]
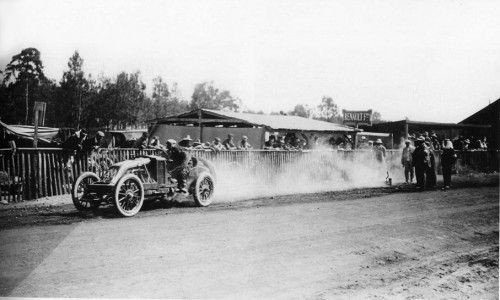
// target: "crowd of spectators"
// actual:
[[187, 143], [459, 142]]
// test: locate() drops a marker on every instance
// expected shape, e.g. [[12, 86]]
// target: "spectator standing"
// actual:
[[406, 161], [379, 151], [431, 169], [448, 158], [229, 142], [421, 162], [244, 144]]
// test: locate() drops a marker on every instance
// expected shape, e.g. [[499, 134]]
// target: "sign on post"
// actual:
[[39, 114], [356, 117]]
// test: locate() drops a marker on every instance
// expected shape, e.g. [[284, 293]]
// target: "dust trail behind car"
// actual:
[[264, 174]]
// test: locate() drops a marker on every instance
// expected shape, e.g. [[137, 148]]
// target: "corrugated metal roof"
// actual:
[[280, 122]]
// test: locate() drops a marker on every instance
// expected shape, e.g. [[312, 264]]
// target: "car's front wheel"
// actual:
[[129, 195], [79, 195]]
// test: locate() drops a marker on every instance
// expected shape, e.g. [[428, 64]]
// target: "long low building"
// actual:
[[207, 124]]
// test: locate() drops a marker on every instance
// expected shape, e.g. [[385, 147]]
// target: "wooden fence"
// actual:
[[34, 173]]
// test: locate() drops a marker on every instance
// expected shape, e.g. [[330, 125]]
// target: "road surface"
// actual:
[[396, 245]]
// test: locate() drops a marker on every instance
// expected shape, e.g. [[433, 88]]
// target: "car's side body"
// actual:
[[147, 177]]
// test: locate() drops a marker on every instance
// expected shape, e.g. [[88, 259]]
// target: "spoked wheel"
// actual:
[[78, 192], [204, 189], [129, 195]]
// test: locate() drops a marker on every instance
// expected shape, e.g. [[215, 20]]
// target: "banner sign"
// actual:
[[355, 118]]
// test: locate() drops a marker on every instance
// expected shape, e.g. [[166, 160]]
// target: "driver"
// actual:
[[179, 164]]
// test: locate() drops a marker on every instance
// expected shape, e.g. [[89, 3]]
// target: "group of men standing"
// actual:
[[420, 162]]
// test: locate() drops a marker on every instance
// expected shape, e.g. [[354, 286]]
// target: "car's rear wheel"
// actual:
[[129, 195], [79, 195], [203, 189]]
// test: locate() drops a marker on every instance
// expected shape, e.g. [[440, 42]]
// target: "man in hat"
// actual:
[[421, 162], [178, 164], [363, 143], [229, 142], [91, 144], [244, 144], [430, 173], [406, 161], [379, 150], [217, 145], [186, 142]]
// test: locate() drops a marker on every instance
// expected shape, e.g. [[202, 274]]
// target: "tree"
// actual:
[[117, 102], [73, 94], [166, 100], [301, 111], [205, 95], [376, 117], [22, 78], [328, 110]]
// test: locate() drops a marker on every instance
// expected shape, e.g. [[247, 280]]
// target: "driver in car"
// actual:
[[178, 160]]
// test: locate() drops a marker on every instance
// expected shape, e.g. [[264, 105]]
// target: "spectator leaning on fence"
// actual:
[[142, 142], [155, 143], [185, 143], [406, 161], [244, 144], [229, 143], [92, 144], [217, 145]]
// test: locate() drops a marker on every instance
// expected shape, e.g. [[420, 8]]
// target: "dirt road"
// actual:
[[396, 245]]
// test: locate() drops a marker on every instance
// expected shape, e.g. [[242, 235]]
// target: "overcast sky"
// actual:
[[425, 60]]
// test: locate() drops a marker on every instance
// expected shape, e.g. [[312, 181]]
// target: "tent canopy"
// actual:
[[25, 131]]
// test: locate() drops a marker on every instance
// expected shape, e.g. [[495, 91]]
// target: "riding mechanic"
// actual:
[[178, 160]]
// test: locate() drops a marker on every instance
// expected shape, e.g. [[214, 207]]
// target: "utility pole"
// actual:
[[79, 108], [27, 108]]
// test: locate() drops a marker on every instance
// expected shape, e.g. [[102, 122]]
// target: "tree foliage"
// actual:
[[301, 111], [328, 110], [21, 86], [206, 95], [166, 100]]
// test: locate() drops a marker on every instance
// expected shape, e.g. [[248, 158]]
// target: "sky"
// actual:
[[424, 60]]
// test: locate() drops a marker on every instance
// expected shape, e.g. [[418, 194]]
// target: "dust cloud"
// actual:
[[260, 174]]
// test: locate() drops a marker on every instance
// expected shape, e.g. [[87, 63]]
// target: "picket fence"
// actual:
[[33, 173]]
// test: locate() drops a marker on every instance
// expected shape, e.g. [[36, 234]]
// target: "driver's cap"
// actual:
[[171, 142]]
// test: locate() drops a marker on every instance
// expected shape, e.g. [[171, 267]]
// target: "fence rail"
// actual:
[[33, 173]]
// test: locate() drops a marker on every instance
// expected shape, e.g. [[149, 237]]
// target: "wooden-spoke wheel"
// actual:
[[204, 189], [79, 195], [129, 195]]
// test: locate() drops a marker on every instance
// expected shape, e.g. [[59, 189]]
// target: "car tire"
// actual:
[[79, 187], [203, 189], [129, 195]]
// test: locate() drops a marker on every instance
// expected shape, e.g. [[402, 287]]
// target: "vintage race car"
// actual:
[[128, 183]]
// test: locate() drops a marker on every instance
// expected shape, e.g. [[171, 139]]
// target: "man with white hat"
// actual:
[[379, 150]]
